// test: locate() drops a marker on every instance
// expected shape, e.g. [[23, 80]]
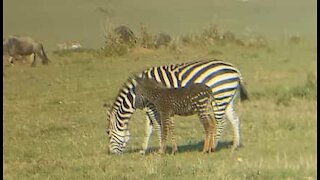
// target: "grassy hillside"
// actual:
[[54, 122]]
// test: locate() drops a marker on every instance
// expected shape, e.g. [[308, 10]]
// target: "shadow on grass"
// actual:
[[185, 148]]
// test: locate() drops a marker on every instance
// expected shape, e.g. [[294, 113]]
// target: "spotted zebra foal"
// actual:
[[194, 99]]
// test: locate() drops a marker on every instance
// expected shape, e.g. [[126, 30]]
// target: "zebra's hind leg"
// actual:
[[234, 119], [212, 131], [220, 127]]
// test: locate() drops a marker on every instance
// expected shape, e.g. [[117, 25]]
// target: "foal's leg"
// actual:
[[165, 127], [205, 120], [173, 138], [213, 125]]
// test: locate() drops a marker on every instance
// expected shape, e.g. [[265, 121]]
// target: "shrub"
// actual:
[[66, 52], [113, 45], [211, 33], [146, 39], [307, 91]]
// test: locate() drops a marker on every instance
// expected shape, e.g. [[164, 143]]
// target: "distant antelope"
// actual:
[[16, 46], [75, 45], [69, 46]]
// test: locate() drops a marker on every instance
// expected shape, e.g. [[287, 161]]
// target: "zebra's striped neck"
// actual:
[[123, 106], [119, 116]]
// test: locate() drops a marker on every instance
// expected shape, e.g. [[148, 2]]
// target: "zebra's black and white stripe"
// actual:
[[223, 78]]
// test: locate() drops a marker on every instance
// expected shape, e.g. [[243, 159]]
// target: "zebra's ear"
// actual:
[[108, 116], [137, 78], [106, 105], [134, 76]]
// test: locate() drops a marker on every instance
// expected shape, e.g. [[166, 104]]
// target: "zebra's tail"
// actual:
[[243, 92]]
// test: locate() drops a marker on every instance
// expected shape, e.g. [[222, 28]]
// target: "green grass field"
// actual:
[[54, 122]]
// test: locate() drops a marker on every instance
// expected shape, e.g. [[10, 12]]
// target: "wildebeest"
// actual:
[[126, 34], [16, 46], [162, 39]]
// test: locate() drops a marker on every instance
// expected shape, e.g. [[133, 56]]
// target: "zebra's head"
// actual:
[[117, 132], [118, 117]]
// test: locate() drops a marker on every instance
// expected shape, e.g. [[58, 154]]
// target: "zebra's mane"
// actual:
[[126, 87]]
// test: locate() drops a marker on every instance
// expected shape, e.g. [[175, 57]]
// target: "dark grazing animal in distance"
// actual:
[[126, 34], [16, 46]]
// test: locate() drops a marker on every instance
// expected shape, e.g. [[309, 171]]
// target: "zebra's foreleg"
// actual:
[[234, 119], [149, 126], [153, 122]]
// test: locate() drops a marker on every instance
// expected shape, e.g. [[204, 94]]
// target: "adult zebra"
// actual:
[[223, 78]]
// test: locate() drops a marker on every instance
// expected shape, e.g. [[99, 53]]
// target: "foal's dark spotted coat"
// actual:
[[194, 99]]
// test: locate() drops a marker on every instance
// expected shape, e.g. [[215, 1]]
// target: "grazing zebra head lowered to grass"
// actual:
[[222, 78], [16, 46], [183, 101]]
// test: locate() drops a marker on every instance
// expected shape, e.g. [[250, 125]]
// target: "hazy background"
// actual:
[[54, 21]]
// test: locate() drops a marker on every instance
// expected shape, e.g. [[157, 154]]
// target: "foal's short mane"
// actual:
[[149, 83]]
